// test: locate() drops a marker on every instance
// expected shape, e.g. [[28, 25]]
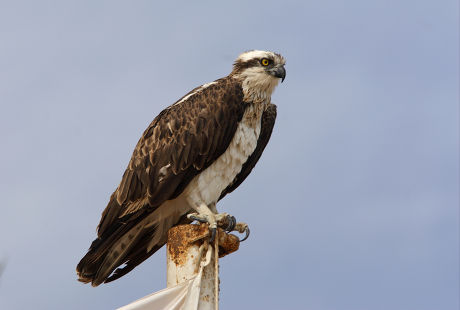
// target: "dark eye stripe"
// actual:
[[239, 66]]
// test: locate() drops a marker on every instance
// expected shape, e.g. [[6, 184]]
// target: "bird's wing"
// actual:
[[182, 140], [268, 121]]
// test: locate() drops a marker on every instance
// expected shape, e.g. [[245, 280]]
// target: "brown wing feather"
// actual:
[[268, 121], [182, 140], [165, 161]]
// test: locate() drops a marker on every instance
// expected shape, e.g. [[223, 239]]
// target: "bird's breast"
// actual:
[[207, 186]]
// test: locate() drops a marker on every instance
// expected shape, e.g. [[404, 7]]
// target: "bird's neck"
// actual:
[[257, 87]]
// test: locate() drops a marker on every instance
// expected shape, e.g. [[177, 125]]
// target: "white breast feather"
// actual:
[[208, 185]]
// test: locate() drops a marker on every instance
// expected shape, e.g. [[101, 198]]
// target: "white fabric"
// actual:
[[184, 296]]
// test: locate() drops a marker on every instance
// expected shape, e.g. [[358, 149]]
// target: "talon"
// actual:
[[247, 232], [213, 234], [231, 223], [243, 228], [195, 217]]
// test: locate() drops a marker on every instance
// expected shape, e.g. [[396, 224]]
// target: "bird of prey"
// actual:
[[193, 153]]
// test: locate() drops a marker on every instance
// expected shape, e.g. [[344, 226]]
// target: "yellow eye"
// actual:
[[264, 62]]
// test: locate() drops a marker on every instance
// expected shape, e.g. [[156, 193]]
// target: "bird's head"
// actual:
[[260, 72]]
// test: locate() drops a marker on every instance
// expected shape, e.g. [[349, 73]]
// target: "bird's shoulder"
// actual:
[[209, 104]]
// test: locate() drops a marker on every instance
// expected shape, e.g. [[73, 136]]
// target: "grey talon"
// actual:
[[231, 223], [247, 231], [195, 218], [213, 234]]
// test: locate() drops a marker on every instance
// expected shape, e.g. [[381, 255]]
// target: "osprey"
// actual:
[[194, 153]]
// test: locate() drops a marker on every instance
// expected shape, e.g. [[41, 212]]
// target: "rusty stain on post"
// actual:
[[181, 237], [184, 253]]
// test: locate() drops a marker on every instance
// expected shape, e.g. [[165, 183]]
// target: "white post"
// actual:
[[192, 270], [186, 248]]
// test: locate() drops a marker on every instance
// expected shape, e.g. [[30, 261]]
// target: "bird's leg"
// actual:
[[224, 220], [213, 208]]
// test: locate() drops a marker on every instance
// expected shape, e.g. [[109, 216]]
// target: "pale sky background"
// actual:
[[354, 204]]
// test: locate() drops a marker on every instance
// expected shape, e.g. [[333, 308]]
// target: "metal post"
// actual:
[[186, 248]]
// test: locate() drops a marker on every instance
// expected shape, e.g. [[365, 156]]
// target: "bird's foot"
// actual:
[[223, 220], [209, 218], [228, 223]]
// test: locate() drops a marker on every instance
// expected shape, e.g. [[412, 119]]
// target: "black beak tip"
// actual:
[[281, 73]]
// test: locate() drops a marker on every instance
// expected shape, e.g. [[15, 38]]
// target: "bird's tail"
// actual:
[[125, 242]]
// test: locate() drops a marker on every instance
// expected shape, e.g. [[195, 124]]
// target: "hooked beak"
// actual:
[[279, 72]]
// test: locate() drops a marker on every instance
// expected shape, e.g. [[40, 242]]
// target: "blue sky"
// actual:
[[354, 204]]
